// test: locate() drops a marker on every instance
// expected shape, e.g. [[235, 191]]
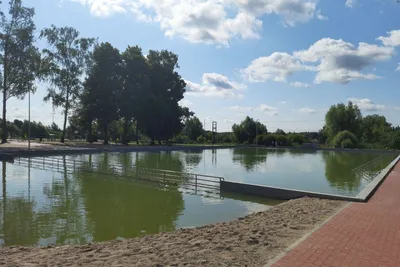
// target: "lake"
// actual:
[[47, 207]]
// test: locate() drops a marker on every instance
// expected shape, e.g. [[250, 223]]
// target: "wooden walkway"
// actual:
[[361, 235]]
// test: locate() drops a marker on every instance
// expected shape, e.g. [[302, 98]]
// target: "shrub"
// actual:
[[201, 139], [343, 135], [347, 143]]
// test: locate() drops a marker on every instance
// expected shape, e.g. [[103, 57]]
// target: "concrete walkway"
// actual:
[[362, 234]]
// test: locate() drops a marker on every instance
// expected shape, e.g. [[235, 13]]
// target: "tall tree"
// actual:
[[106, 83], [374, 127], [136, 84], [163, 116], [341, 117], [18, 55], [193, 128], [64, 63], [247, 130]]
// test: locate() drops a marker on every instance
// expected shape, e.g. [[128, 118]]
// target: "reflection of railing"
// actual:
[[367, 170], [183, 179]]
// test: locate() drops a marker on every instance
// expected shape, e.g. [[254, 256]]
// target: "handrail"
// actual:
[[58, 163]]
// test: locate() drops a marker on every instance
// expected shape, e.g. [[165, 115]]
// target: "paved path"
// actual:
[[363, 234]]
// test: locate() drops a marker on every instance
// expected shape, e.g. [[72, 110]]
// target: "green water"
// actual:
[[43, 207]]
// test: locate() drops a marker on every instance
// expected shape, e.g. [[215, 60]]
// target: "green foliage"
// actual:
[[64, 62], [19, 56], [295, 138], [374, 128], [162, 118], [347, 143], [136, 84], [201, 139], [105, 84], [342, 136], [341, 117], [193, 128], [247, 130]]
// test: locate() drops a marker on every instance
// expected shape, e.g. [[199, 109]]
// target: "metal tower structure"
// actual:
[[214, 132]]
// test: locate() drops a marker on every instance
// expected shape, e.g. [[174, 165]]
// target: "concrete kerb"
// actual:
[[279, 193], [370, 189]]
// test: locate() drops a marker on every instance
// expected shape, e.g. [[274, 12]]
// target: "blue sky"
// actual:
[[283, 62]]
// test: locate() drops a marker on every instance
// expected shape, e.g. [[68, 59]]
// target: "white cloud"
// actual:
[[300, 84], [215, 85], [208, 21], [392, 40], [398, 67], [271, 111], [350, 3], [229, 121], [341, 62], [307, 110], [320, 16], [366, 104], [276, 67], [283, 102], [185, 103]]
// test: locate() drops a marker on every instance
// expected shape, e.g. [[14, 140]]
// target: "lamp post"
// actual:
[[29, 120]]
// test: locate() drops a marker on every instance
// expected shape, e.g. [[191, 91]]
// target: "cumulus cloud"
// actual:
[[300, 84], [307, 110], [208, 21], [366, 104], [215, 85], [393, 38], [341, 62], [276, 67], [350, 3], [185, 103]]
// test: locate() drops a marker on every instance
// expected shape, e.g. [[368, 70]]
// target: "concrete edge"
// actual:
[[304, 237], [279, 193], [371, 187]]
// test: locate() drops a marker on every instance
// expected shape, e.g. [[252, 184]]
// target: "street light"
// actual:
[[29, 120]]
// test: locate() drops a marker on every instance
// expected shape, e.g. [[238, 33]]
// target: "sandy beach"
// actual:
[[249, 241]]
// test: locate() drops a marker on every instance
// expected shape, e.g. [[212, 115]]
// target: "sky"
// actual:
[[282, 62]]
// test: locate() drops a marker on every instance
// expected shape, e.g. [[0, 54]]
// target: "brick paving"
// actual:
[[361, 235]]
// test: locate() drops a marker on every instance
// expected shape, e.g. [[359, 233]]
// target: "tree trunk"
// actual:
[[105, 133], [5, 73], [137, 132], [125, 134], [4, 123], [65, 119], [89, 138]]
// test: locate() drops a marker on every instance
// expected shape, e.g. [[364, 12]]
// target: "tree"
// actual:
[[19, 56], [247, 130], [136, 83], [106, 83], [161, 117], [64, 62], [193, 128], [341, 117], [374, 127]]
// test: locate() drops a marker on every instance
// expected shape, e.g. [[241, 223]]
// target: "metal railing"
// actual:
[[168, 177]]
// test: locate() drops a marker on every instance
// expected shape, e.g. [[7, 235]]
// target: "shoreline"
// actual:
[[248, 241], [19, 149]]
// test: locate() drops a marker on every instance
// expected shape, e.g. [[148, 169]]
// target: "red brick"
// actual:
[[363, 234]]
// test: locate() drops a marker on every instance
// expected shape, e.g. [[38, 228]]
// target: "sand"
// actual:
[[249, 241]]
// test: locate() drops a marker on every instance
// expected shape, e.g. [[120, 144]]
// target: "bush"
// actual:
[[347, 143], [343, 135], [201, 139]]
